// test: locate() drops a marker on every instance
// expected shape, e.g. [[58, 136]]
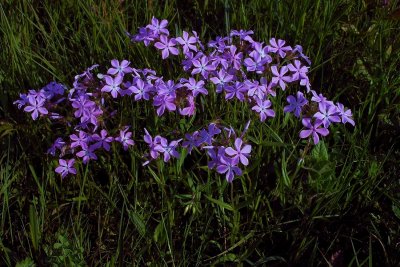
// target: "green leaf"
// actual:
[[396, 211], [319, 152], [220, 203], [138, 222]]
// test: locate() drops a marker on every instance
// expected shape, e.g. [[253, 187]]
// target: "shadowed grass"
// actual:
[[294, 205]]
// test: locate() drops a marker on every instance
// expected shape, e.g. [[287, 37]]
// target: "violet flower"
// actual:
[[36, 107], [167, 46], [229, 166], [65, 167], [119, 68], [345, 115], [313, 130], [295, 103], [102, 140], [125, 138], [113, 85], [279, 77], [278, 47], [169, 150], [239, 153], [262, 107], [327, 114], [187, 42]]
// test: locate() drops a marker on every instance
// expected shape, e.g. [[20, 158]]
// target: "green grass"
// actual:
[[342, 201]]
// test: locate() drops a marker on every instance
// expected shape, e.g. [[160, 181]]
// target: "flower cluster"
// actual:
[[236, 67]]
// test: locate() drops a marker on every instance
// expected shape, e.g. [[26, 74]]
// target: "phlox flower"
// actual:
[[196, 87], [295, 103], [65, 167], [158, 27], [125, 138], [187, 42], [221, 80], [327, 114], [262, 107], [191, 141], [345, 115], [280, 77], [229, 167], [164, 102], [190, 108], [119, 68], [113, 85], [313, 129], [240, 152], [102, 140], [36, 107], [203, 67], [168, 149], [87, 153], [167, 46], [279, 47]]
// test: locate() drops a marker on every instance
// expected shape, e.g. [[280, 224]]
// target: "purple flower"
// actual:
[[203, 67], [36, 107], [238, 90], [66, 167], [261, 51], [80, 140], [196, 87], [256, 64], [295, 103], [327, 114], [190, 108], [113, 85], [125, 138], [82, 104], [299, 50], [242, 34], [221, 80], [145, 34], [346, 115], [235, 58], [191, 141], [141, 90], [58, 144], [313, 130], [254, 88], [228, 166], [215, 156], [278, 47], [86, 154], [91, 115], [168, 149], [298, 71], [320, 99], [168, 88], [207, 136], [158, 27], [167, 46], [22, 101], [279, 77], [239, 153], [187, 42], [262, 107], [102, 140], [162, 102], [152, 143], [119, 68]]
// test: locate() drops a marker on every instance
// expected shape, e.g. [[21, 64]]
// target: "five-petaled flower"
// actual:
[[65, 167], [240, 152], [313, 129]]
